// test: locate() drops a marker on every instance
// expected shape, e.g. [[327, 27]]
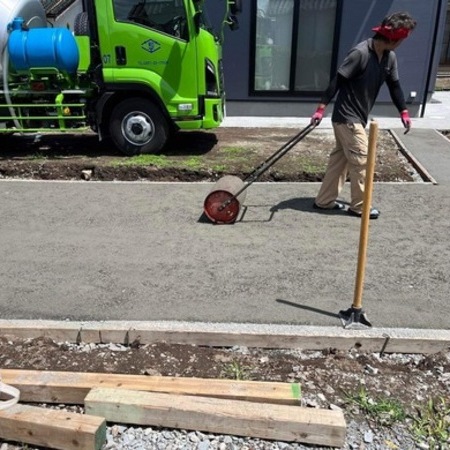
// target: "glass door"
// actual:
[[293, 45]]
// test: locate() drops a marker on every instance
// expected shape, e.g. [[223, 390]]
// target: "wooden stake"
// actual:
[[364, 232]]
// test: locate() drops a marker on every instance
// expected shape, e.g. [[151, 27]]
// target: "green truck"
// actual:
[[134, 71]]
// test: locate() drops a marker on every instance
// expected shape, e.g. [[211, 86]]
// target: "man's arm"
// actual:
[[332, 88], [398, 98], [327, 96], [352, 64]]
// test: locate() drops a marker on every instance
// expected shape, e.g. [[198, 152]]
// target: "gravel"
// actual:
[[359, 437]]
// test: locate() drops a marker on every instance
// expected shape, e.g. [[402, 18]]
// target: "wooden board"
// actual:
[[72, 387], [53, 429], [236, 417]]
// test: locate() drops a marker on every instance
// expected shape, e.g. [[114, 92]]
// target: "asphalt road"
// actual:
[[142, 251]]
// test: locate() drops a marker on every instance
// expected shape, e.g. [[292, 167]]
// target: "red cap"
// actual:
[[394, 34]]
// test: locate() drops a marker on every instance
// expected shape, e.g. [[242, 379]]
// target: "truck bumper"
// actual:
[[212, 118]]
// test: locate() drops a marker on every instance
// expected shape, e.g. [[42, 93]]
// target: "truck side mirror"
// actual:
[[197, 21], [233, 22]]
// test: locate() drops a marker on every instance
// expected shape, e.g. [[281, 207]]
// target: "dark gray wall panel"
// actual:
[[418, 56]]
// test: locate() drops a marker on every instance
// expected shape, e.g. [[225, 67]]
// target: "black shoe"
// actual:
[[336, 206], [374, 213]]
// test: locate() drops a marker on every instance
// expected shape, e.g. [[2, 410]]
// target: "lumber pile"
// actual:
[[247, 408]]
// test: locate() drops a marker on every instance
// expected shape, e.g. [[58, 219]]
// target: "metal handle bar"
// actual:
[[269, 162]]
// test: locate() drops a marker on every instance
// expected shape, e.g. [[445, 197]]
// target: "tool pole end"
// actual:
[[354, 318]]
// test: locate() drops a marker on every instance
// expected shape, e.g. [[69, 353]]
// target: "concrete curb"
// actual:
[[418, 166], [383, 340]]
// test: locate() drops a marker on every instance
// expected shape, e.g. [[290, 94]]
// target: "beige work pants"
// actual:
[[348, 158]]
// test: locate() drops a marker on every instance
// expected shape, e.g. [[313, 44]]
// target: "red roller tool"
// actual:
[[223, 203]]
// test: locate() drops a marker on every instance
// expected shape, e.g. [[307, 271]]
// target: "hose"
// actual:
[[5, 64], [11, 392]]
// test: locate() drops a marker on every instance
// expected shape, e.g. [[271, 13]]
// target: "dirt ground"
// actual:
[[327, 377], [189, 156]]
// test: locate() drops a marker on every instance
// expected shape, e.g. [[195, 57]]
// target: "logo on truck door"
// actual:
[[151, 46]]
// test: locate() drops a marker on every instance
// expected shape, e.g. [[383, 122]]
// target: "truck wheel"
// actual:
[[81, 25], [137, 126]]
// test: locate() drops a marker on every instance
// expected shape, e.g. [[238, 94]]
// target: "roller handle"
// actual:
[[269, 162]]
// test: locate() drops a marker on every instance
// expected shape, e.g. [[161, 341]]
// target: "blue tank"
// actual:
[[42, 47]]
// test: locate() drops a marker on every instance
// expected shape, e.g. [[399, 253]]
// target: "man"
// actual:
[[358, 81]]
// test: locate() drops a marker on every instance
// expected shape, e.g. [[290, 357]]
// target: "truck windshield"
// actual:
[[168, 16]]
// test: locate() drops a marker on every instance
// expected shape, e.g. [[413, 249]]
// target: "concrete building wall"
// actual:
[[418, 56]]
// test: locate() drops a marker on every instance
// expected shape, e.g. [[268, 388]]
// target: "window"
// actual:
[[293, 45], [168, 16], [274, 23]]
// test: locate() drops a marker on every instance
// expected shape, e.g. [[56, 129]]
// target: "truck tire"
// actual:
[[138, 126], [81, 25]]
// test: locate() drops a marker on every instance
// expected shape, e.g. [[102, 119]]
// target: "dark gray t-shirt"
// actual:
[[364, 76]]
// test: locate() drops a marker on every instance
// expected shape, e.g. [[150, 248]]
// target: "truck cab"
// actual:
[[161, 69]]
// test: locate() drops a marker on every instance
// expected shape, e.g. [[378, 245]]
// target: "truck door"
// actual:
[[149, 42]]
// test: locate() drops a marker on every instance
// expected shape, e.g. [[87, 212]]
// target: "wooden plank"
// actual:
[[53, 429], [72, 387], [236, 417]]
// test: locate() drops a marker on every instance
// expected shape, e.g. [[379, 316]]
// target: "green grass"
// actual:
[[236, 154], [145, 160], [431, 424], [160, 161], [383, 410], [236, 371], [231, 155], [194, 162], [311, 167], [229, 159], [219, 168], [234, 151]]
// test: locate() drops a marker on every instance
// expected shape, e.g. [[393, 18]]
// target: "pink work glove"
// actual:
[[317, 116], [406, 120]]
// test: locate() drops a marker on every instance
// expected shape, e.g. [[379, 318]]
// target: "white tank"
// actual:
[[32, 12]]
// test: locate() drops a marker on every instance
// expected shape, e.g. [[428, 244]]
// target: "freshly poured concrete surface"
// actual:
[[142, 251]]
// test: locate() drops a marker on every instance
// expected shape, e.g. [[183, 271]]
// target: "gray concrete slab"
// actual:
[[140, 251], [431, 149]]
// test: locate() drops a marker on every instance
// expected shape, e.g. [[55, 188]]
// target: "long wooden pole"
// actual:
[[364, 232]]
